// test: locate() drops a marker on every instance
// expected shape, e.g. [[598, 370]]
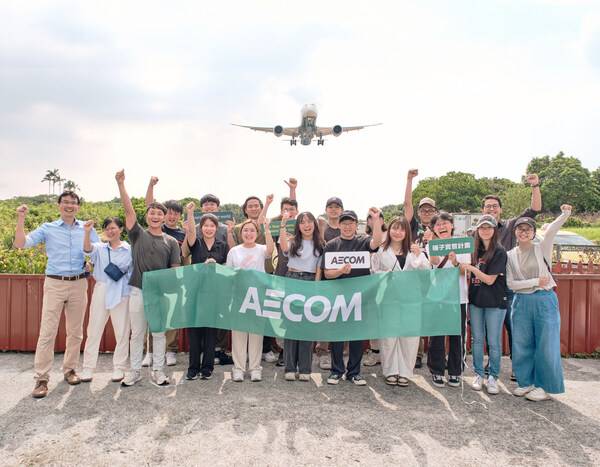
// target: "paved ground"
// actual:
[[275, 422]]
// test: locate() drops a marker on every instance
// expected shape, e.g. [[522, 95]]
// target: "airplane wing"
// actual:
[[325, 131], [292, 131]]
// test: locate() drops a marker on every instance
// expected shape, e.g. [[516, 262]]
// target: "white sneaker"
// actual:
[[256, 375], [159, 378], [492, 385], [304, 377], [290, 376], [131, 378], [538, 394], [171, 359], [86, 375], [237, 375], [370, 358], [270, 357], [520, 392], [147, 360], [325, 362], [477, 383], [117, 375]]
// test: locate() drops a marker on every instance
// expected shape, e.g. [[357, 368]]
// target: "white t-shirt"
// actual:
[[462, 281], [247, 258]]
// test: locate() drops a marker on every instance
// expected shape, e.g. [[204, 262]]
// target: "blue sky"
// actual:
[[476, 86]]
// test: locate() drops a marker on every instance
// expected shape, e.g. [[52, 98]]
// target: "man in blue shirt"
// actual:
[[65, 287]]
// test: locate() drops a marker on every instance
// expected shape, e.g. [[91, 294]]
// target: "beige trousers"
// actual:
[[246, 347], [58, 295]]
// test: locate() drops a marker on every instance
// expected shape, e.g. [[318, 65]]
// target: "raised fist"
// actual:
[[190, 206], [566, 207], [120, 176], [22, 210], [88, 225], [269, 199], [533, 179], [153, 180], [412, 173], [292, 183]]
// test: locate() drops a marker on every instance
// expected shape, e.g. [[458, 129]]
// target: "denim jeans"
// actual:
[[536, 341], [487, 322]]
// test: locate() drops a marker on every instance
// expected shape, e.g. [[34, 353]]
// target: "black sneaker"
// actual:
[[453, 381], [334, 378], [280, 361], [224, 359], [438, 381], [512, 376], [419, 362], [358, 380], [191, 375], [206, 375], [486, 370]]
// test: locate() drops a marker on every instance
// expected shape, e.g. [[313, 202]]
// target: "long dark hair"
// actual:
[[296, 241], [403, 223], [489, 253]]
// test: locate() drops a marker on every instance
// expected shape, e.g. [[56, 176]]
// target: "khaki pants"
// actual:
[[58, 295], [246, 346]]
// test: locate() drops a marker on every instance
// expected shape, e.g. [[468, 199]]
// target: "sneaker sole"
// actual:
[[454, 385]]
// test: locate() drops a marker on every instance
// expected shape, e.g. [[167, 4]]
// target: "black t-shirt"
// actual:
[[401, 260], [331, 233], [490, 296], [177, 233], [358, 243], [200, 252]]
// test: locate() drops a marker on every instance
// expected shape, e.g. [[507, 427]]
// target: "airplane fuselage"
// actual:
[[308, 124]]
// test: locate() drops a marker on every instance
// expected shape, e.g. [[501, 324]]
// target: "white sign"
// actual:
[[357, 259]]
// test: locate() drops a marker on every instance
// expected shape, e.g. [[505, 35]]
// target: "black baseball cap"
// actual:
[[349, 215], [525, 220], [334, 200]]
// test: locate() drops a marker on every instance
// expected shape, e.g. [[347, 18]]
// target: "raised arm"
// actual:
[[20, 230], [292, 184], [377, 238], [551, 231], [130, 217], [190, 225], [150, 191], [263, 214], [409, 210], [536, 194], [87, 231], [283, 237], [268, 238]]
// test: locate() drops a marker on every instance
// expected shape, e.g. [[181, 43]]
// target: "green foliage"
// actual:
[[392, 210], [515, 200], [564, 180], [591, 233], [454, 192], [238, 215]]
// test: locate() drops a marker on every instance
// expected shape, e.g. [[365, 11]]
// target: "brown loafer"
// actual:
[[41, 389], [72, 378]]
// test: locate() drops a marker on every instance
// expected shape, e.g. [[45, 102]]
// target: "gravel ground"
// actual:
[[275, 422]]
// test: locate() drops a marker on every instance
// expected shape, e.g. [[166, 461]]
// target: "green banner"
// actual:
[[443, 246], [408, 303], [275, 227]]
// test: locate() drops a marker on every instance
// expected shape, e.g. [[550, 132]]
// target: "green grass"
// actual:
[[591, 233]]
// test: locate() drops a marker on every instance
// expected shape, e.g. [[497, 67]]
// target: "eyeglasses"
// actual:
[[491, 206], [69, 203], [428, 210]]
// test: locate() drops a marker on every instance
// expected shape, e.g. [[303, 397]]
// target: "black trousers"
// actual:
[[202, 343], [436, 354], [354, 359]]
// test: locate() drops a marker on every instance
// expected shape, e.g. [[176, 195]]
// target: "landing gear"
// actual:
[[320, 142], [293, 142]]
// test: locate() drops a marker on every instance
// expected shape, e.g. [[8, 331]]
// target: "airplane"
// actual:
[[308, 128]]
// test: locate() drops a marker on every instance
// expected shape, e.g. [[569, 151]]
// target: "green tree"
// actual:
[[453, 192], [71, 185], [565, 180], [392, 210], [48, 178], [515, 200]]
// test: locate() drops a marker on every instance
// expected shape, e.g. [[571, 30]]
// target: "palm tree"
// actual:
[[48, 178], [71, 185], [55, 175]]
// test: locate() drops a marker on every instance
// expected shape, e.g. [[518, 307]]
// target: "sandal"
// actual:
[[402, 381], [392, 380]]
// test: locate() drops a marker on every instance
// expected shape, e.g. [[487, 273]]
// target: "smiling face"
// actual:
[[112, 232], [307, 227], [68, 207], [209, 229], [155, 218], [249, 234], [486, 232], [524, 234], [443, 228], [172, 218], [397, 232], [492, 207], [253, 209], [348, 229]]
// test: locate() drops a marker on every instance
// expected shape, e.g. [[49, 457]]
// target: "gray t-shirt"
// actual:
[[151, 252], [306, 261]]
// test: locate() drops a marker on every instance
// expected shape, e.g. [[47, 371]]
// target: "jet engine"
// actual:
[[278, 130], [337, 130]]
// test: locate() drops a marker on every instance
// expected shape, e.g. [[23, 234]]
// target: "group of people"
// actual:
[[506, 282]]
